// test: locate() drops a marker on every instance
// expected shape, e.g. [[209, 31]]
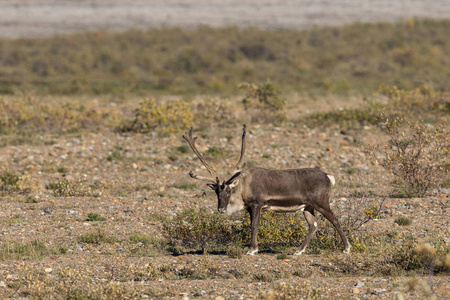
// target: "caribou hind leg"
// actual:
[[312, 224], [327, 213]]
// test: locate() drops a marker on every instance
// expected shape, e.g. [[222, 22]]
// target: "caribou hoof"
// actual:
[[252, 251], [299, 252]]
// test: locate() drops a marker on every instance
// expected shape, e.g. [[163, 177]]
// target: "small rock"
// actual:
[[355, 290], [219, 298], [48, 210], [48, 270], [3, 284], [359, 284]]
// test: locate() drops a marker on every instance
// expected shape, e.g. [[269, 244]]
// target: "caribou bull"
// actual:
[[257, 190]]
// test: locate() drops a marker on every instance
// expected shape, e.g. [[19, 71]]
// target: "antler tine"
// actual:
[[202, 178], [191, 141], [239, 163]]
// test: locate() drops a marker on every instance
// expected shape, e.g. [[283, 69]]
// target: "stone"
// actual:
[[48, 210]]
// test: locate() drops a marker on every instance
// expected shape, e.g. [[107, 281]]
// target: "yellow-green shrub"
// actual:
[[173, 116], [31, 114]]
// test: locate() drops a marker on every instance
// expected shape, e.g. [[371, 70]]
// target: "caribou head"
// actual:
[[224, 190]]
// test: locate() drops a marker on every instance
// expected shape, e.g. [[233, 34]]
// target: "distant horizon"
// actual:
[[46, 18]]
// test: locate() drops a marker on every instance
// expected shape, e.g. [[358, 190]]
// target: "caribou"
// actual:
[[257, 190]]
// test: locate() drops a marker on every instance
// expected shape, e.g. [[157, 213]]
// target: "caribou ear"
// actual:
[[214, 186], [234, 184]]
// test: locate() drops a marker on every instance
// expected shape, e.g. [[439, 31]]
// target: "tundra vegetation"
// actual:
[[96, 203]]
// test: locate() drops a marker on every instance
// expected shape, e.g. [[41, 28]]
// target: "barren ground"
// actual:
[[145, 182]]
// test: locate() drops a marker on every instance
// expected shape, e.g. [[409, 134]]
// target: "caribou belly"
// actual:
[[285, 209]]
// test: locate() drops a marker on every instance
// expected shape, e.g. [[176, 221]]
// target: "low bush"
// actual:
[[12, 250], [416, 155], [9, 181], [403, 221], [266, 100], [276, 230], [422, 258], [151, 115], [353, 213], [96, 237], [30, 114], [200, 229], [66, 188], [95, 217]]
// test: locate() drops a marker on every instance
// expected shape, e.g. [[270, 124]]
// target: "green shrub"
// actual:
[[186, 186], [183, 149], [403, 221], [275, 230], [67, 188], [216, 152], [95, 217], [198, 228], [266, 94], [201, 229], [345, 118], [116, 155], [266, 98], [235, 252], [422, 257], [9, 181], [32, 250]]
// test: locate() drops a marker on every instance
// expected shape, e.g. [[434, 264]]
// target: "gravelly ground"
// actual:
[[129, 208], [20, 18]]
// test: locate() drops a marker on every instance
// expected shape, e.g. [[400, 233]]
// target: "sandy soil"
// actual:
[[25, 18]]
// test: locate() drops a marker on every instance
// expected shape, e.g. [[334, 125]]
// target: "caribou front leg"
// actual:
[[255, 216]]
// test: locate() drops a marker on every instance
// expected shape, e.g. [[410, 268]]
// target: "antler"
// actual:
[[239, 163], [191, 140]]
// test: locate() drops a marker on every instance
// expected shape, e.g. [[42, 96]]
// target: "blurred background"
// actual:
[[208, 47], [27, 18]]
